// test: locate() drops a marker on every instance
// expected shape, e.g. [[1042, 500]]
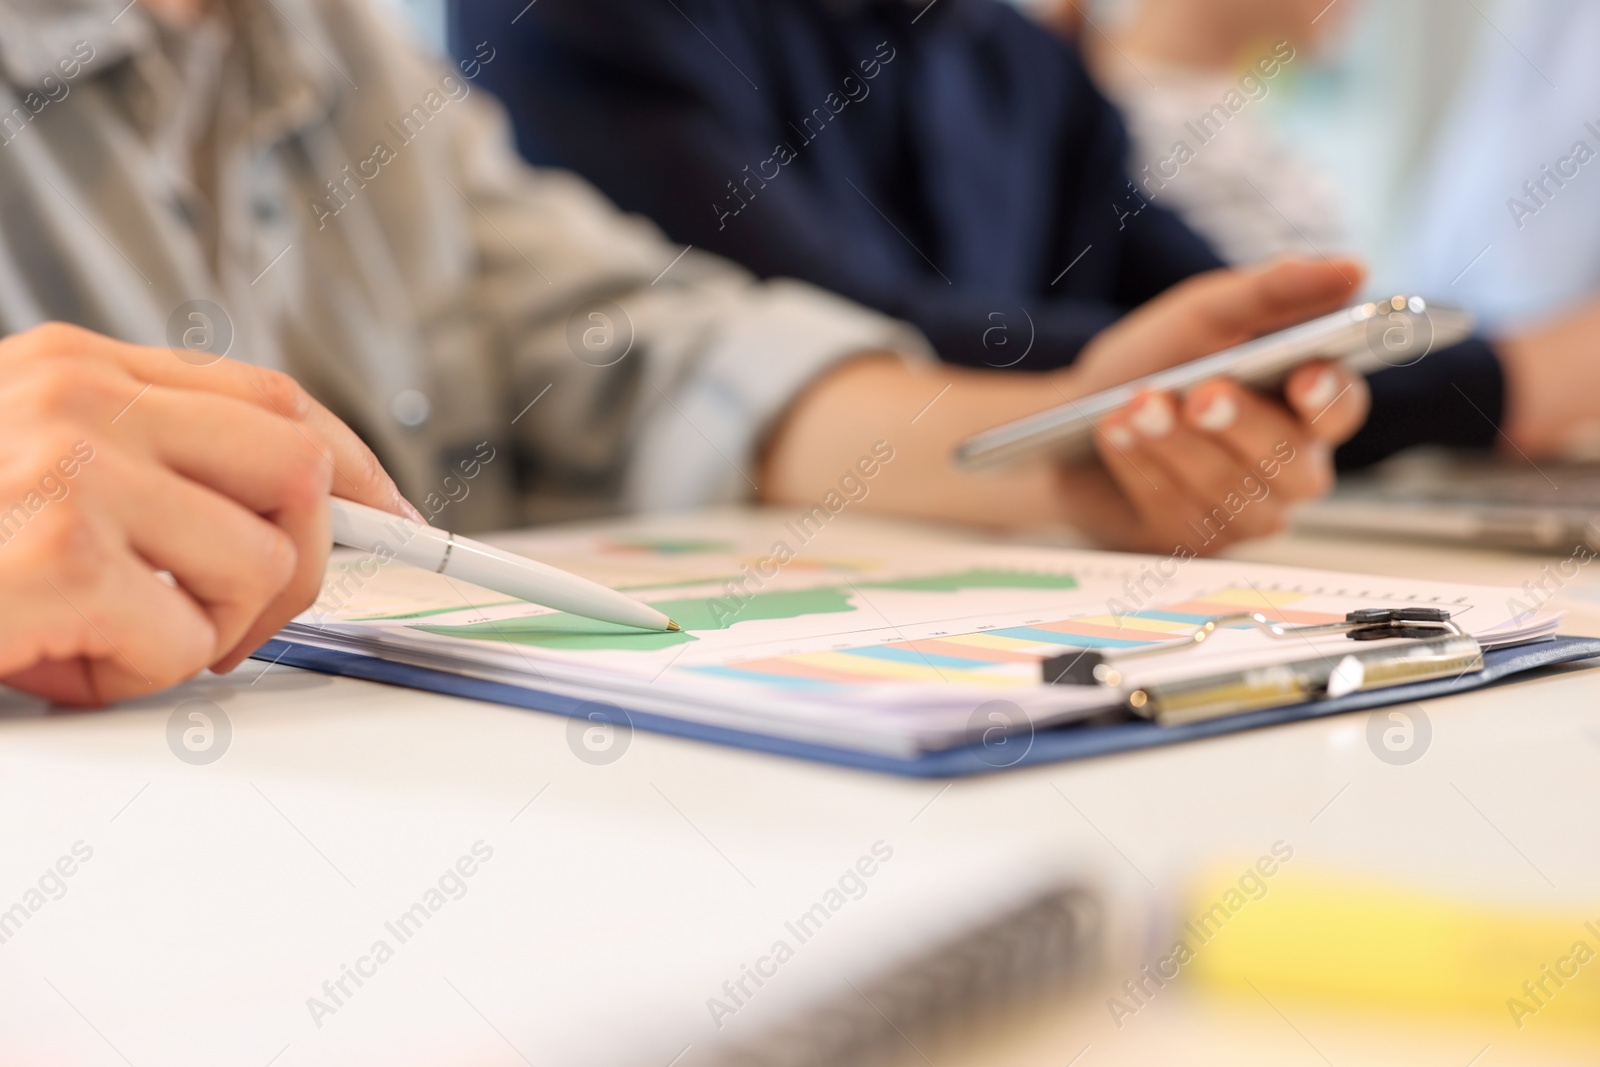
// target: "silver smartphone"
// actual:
[[1366, 338]]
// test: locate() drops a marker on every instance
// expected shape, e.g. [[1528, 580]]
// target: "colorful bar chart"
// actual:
[[993, 657]]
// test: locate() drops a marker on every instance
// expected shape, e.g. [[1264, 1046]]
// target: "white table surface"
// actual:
[[620, 897]]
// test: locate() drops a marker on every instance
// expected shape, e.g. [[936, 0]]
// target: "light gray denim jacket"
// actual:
[[314, 191]]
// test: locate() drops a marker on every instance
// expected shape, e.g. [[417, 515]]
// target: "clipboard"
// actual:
[[1081, 740]]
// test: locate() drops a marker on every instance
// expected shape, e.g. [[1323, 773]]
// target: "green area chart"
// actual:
[[562, 630]]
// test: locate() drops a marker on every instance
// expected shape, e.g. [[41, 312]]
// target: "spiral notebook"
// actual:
[[875, 644]]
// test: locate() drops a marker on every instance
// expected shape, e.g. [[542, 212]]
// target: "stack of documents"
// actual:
[[870, 636]]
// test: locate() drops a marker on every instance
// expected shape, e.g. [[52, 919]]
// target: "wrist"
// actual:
[[1514, 371], [920, 412], [1540, 411]]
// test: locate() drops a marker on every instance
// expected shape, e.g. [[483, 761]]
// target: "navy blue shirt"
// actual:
[[951, 165]]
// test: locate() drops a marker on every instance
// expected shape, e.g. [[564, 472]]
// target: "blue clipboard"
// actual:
[[1054, 745]]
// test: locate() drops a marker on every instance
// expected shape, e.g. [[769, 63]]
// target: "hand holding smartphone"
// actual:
[[1365, 338]]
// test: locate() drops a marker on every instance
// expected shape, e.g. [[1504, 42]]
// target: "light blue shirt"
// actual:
[[1506, 219]]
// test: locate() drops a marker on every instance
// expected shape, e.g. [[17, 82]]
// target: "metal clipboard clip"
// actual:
[[1438, 648]]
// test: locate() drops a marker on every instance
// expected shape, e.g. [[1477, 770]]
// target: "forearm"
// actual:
[[920, 412]]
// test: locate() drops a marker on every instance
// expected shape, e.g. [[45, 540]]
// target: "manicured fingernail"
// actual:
[[1323, 391], [1153, 416], [1219, 414], [1120, 436]]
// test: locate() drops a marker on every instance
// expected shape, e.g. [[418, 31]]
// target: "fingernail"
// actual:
[[1323, 391], [1153, 416], [407, 510], [1219, 414], [1119, 435]]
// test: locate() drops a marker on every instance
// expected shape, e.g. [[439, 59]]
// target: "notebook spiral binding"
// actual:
[[945, 996]]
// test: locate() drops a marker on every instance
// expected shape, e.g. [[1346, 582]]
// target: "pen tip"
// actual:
[[672, 626]]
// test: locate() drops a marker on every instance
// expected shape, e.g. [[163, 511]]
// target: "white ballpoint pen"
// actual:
[[358, 526]]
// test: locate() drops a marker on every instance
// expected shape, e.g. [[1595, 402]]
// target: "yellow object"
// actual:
[[1341, 941]]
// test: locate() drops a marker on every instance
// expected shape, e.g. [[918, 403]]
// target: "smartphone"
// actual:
[[1366, 338]]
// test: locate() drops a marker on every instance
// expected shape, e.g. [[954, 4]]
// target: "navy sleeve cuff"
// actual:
[[1454, 398]]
